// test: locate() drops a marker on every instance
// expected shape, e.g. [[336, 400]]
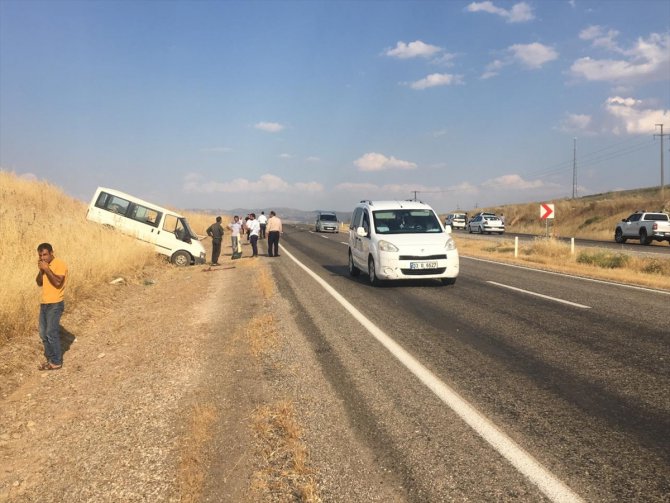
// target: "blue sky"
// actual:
[[317, 105]]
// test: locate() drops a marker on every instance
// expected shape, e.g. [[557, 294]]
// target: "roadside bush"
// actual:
[[603, 259]]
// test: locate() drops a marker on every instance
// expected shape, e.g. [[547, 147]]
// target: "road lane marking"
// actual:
[[555, 299], [524, 462], [554, 273]]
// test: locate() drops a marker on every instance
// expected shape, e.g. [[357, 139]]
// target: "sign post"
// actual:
[[547, 213]]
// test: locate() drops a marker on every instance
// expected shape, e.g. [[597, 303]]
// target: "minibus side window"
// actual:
[[145, 215], [117, 205], [102, 200], [170, 223]]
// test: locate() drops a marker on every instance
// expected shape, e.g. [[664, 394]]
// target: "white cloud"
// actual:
[[513, 182], [285, 156], [270, 127], [493, 68], [194, 183], [313, 158], [533, 55], [648, 59], [436, 79], [631, 116], [576, 122], [519, 13], [373, 161], [416, 49], [596, 34]]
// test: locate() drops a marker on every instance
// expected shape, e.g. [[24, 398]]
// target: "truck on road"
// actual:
[[645, 226]]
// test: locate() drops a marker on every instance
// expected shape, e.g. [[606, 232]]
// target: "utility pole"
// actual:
[[574, 167], [662, 181]]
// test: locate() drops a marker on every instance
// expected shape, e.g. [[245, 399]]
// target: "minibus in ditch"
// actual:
[[165, 229]]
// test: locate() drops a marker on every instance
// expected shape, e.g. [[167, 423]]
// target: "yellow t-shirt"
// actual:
[[51, 294]]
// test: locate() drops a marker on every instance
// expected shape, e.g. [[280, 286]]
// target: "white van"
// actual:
[[392, 240], [168, 231]]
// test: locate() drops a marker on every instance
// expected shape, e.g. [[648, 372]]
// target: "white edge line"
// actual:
[[523, 461], [583, 278], [555, 299]]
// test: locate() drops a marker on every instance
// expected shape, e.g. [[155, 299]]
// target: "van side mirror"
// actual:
[[447, 229], [360, 231]]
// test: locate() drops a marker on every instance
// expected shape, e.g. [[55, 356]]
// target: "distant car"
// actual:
[[455, 220], [645, 226], [326, 221], [486, 223]]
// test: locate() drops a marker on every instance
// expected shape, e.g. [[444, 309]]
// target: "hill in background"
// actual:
[[594, 216]]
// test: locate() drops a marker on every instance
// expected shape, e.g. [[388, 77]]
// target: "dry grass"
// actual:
[[286, 475], [193, 465], [32, 212], [553, 255], [592, 217]]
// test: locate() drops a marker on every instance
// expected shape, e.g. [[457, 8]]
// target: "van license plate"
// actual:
[[423, 265]]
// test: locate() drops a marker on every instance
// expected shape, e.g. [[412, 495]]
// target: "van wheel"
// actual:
[[448, 281], [181, 258], [353, 270], [372, 275]]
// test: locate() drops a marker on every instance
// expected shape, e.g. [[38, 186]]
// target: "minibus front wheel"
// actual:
[[181, 258]]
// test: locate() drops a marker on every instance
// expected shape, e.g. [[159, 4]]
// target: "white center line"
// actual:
[[552, 487], [562, 301]]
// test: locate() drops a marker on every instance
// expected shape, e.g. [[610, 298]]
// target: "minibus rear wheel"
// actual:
[[181, 258]]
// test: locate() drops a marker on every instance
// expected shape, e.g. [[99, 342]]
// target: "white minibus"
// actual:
[[167, 230]]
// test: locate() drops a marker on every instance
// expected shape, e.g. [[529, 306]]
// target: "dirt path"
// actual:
[[128, 417]]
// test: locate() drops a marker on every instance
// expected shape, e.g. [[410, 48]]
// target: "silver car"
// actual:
[[486, 223], [326, 221]]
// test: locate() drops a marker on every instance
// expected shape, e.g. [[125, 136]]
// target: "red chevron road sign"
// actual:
[[546, 211]]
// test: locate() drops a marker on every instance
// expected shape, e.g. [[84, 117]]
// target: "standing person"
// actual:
[[274, 231], [502, 218], [215, 231], [263, 221], [235, 228], [51, 278], [254, 228]]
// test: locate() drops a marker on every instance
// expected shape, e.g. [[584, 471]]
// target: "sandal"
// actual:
[[43, 366]]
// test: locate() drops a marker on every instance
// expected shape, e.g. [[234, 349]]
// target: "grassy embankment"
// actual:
[[32, 212], [591, 217]]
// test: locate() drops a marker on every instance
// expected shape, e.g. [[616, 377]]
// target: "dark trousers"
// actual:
[[216, 250], [273, 244], [254, 245], [50, 330], [263, 226]]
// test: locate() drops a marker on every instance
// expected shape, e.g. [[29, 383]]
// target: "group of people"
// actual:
[[254, 228]]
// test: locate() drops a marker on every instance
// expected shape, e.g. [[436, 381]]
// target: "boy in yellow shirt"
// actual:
[[51, 277]]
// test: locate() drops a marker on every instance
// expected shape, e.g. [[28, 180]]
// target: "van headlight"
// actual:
[[450, 244], [385, 246]]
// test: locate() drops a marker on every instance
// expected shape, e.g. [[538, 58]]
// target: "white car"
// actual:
[[486, 223], [455, 220], [394, 240]]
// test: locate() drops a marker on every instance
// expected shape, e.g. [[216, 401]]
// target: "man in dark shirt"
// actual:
[[215, 231]]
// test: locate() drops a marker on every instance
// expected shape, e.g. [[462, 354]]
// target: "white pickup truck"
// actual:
[[645, 226]]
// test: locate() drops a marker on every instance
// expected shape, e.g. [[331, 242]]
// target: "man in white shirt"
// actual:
[[254, 229], [235, 228], [263, 221]]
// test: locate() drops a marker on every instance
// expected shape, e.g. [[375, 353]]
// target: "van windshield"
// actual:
[[325, 217], [403, 221], [188, 229]]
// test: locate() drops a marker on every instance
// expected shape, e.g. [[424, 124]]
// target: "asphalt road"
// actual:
[[578, 378]]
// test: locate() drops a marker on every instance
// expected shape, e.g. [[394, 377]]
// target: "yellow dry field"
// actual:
[[33, 212]]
